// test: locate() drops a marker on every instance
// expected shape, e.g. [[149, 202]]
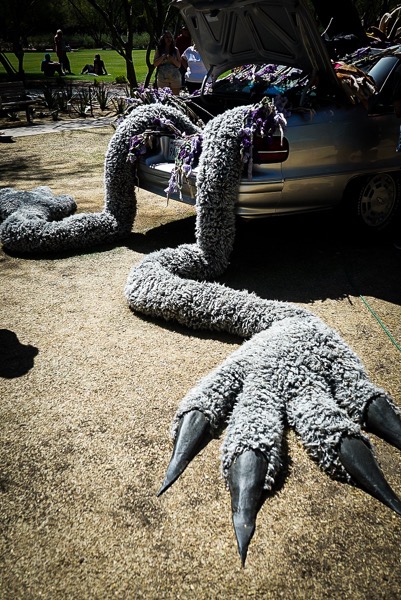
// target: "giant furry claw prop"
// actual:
[[292, 369]]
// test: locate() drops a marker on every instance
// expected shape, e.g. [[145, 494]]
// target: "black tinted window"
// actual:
[[382, 69]]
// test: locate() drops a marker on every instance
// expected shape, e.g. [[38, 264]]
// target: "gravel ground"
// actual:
[[88, 391]]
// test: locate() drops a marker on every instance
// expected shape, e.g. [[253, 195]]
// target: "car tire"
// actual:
[[376, 202]]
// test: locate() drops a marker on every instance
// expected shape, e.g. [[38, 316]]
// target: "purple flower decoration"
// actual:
[[140, 143], [186, 160], [172, 185], [261, 120], [137, 147]]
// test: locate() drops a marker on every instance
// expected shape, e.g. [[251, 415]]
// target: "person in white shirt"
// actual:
[[195, 70]]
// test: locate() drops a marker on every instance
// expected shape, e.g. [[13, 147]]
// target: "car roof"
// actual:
[[231, 33]]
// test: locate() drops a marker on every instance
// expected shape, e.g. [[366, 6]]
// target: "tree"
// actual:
[[122, 19], [20, 19], [117, 16], [158, 16], [86, 19]]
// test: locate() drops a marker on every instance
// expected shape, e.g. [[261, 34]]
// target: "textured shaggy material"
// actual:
[[33, 221], [293, 368]]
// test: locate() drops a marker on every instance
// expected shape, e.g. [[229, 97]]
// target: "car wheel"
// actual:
[[378, 201]]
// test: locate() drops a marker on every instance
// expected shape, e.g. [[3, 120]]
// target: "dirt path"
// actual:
[[86, 412]]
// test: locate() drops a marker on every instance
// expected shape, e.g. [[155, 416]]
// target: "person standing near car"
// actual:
[[183, 41], [167, 60], [195, 70], [61, 51]]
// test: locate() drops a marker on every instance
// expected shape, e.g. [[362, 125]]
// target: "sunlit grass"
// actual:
[[115, 64]]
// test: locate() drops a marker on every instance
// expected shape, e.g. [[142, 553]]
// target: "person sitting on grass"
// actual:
[[49, 67], [98, 67]]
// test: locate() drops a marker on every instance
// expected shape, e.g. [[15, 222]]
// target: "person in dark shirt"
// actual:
[[98, 67], [49, 67], [182, 42]]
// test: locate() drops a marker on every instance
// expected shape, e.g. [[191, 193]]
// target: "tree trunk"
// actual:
[[19, 53], [131, 74], [8, 67], [149, 64]]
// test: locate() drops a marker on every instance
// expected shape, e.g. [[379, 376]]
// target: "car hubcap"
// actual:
[[378, 200]]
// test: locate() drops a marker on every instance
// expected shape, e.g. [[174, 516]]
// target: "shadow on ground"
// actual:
[[308, 258], [297, 259]]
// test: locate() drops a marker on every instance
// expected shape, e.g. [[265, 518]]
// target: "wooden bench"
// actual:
[[13, 98]]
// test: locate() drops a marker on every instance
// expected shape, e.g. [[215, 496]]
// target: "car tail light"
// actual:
[[270, 150]]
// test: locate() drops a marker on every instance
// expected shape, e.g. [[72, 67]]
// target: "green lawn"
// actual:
[[115, 64]]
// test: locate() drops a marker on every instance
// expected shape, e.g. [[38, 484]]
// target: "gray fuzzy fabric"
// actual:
[[292, 369], [37, 221]]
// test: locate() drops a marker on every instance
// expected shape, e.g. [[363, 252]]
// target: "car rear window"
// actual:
[[382, 69]]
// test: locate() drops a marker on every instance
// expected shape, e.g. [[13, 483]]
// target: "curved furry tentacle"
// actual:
[[34, 221], [219, 173], [165, 284], [154, 289], [119, 174], [217, 190], [29, 231], [301, 360], [41, 197]]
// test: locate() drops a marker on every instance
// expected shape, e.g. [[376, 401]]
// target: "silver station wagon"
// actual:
[[339, 149]]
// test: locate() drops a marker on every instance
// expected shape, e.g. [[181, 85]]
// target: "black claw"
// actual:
[[246, 482], [357, 458], [193, 435], [383, 421]]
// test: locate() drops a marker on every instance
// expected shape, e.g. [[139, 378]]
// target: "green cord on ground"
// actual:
[[382, 325]]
